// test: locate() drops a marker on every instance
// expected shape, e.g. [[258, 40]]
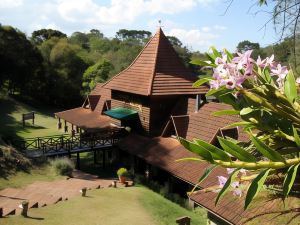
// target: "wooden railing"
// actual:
[[68, 143]]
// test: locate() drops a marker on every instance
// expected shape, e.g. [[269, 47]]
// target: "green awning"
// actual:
[[121, 113]]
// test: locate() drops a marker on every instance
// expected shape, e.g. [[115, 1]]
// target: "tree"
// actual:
[[140, 35], [80, 39], [247, 45], [95, 33], [39, 36], [97, 73], [174, 41], [21, 62]]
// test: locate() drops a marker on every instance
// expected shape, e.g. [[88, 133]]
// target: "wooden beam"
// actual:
[[103, 159], [77, 160]]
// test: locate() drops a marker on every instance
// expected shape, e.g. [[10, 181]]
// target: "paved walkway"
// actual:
[[40, 194]]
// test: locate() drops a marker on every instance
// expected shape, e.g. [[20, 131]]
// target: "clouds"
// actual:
[[120, 11], [6, 4], [112, 15], [198, 39]]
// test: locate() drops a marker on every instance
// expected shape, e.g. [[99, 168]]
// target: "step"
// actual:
[[35, 200], [9, 205]]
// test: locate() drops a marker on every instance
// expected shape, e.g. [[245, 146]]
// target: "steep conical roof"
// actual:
[[157, 70]]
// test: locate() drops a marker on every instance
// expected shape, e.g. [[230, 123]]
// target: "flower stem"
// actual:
[[258, 165]]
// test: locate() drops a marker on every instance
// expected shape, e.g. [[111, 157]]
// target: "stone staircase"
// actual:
[[40, 194]]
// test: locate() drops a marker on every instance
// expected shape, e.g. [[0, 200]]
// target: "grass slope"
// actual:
[[126, 206], [21, 178], [11, 120]]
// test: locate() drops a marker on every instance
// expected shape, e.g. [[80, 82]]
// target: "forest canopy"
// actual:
[[52, 67]]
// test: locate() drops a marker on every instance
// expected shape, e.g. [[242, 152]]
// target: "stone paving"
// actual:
[[40, 194]]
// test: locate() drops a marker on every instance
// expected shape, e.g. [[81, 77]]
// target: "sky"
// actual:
[[199, 24]]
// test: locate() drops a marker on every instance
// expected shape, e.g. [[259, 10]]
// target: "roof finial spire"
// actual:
[[159, 24]]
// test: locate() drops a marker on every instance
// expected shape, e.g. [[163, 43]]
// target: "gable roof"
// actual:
[[105, 96], [157, 70], [203, 125]]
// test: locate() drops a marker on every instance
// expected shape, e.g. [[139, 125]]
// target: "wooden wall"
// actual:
[[135, 102], [161, 108]]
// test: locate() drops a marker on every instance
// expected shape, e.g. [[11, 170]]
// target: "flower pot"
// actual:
[[122, 179]]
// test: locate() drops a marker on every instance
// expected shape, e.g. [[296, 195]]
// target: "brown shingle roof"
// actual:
[[85, 118], [163, 153], [203, 125], [105, 95], [157, 70], [265, 209]]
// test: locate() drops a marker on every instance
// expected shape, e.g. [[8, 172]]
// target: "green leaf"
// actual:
[[237, 124], [267, 77], [229, 55], [207, 172], [202, 63], [266, 150], [215, 52], [210, 57], [255, 186], [289, 179], [201, 81], [236, 151], [296, 136], [189, 159], [246, 111], [216, 153], [290, 88], [230, 179], [193, 147], [225, 112]]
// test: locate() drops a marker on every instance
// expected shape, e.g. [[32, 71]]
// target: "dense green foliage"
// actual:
[[60, 70], [21, 62]]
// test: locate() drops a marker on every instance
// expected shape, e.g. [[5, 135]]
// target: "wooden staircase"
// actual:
[[40, 194]]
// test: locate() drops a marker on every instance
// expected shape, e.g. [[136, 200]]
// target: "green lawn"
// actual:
[[11, 120], [21, 178], [126, 206]]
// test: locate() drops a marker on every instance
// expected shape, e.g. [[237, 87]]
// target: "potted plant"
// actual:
[[122, 173]]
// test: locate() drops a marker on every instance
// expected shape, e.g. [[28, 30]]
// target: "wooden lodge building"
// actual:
[[155, 98]]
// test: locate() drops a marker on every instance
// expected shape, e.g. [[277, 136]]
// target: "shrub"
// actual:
[[63, 166], [164, 190], [139, 179], [122, 172], [12, 161]]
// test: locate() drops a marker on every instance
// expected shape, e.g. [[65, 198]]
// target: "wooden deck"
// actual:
[[60, 145]]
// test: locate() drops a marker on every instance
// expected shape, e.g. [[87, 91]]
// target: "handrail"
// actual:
[[66, 142]]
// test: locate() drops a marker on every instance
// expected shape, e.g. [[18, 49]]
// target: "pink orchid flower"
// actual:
[[298, 80], [260, 63], [222, 180], [243, 59], [280, 71], [222, 60], [237, 192], [230, 170], [270, 61]]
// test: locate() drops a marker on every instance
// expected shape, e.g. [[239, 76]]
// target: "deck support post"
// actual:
[[103, 159], [66, 127], [77, 160], [59, 124], [95, 156]]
